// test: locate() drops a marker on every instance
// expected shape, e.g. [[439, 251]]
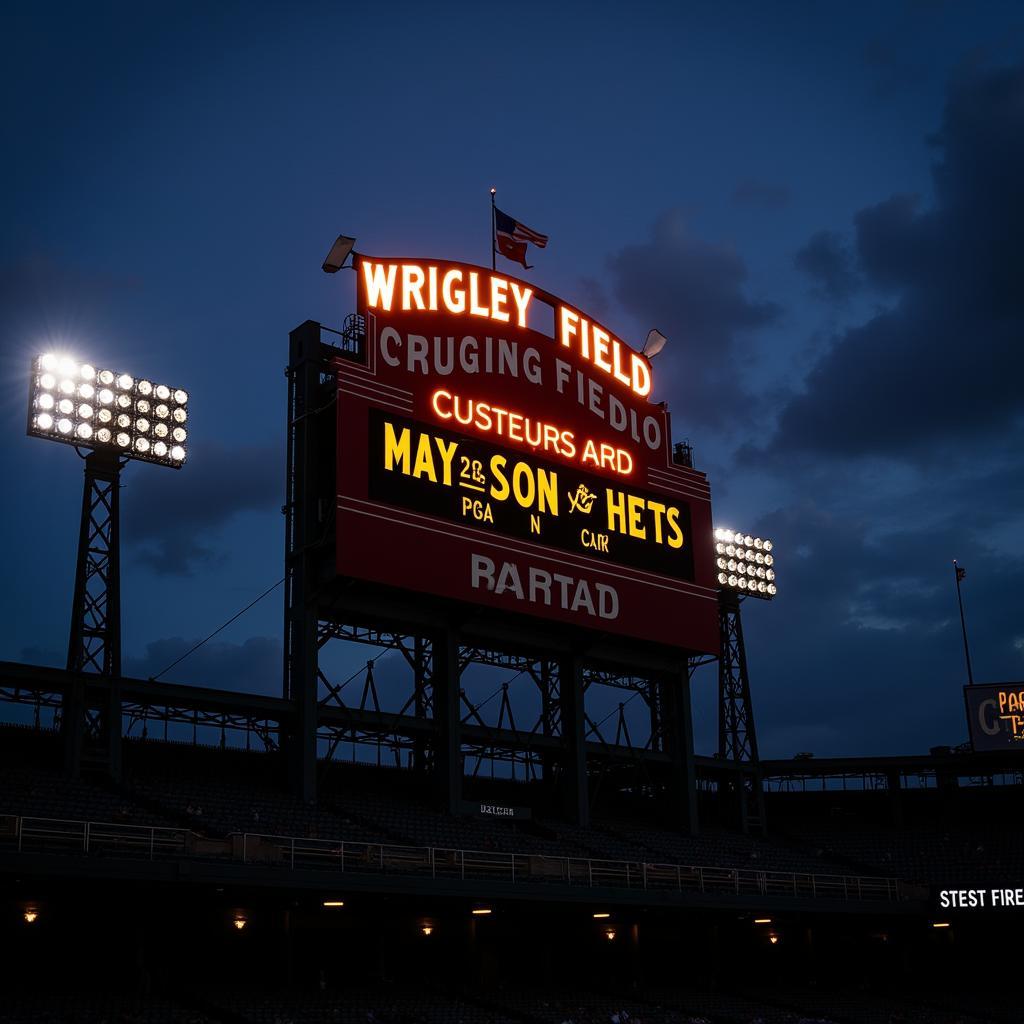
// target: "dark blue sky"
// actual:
[[819, 204]]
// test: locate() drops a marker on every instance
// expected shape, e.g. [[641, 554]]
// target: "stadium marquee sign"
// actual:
[[499, 447], [981, 899], [995, 716]]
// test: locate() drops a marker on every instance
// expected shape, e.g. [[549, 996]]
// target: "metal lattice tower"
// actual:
[[95, 642], [737, 739], [91, 719]]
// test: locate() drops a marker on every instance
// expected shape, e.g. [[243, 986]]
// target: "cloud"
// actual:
[[693, 292], [829, 263], [762, 194], [891, 73], [941, 366], [861, 652], [593, 296], [173, 519], [252, 666]]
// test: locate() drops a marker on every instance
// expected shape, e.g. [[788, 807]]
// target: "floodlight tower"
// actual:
[[113, 417], [746, 568]]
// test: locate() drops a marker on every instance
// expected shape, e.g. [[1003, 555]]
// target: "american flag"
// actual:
[[511, 237]]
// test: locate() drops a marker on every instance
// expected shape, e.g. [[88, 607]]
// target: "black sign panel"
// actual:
[[995, 716], [513, 493]]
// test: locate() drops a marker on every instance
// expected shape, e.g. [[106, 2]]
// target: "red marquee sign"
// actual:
[[498, 447]]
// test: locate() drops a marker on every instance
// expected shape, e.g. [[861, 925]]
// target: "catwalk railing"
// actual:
[[57, 835]]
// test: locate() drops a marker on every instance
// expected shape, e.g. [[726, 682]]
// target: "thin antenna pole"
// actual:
[[963, 623], [494, 232]]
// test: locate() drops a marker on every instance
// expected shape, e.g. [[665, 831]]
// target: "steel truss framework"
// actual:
[[737, 737], [218, 717], [90, 727], [437, 727]]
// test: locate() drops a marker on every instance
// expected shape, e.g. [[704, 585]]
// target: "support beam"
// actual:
[[447, 679], [677, 730], [575, 790], [741, 791], [94, 643], [303, 531]]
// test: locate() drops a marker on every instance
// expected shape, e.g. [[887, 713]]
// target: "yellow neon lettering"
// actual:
[[675, 537], [447, 450], [658, 509], [424, 465], [499, 489], [396, 449], [616, 501], [547, 491], [524, 493], [636, 527]]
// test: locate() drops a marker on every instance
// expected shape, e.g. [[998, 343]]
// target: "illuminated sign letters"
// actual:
[[498, 447], [995, 716], [981, 899]]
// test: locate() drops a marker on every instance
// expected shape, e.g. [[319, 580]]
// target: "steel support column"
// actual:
[[741, 789], [303, 529], [677, 731], [447, 678], [91, 724], [575, 790]]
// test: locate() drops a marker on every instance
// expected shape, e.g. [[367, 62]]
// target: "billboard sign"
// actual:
[[498, 446], [995, 716]]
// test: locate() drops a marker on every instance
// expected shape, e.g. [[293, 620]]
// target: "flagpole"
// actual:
[[963, 623], [493, 226]]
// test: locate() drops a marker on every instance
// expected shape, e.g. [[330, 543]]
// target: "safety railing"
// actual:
[[540, 869], [57, 835]]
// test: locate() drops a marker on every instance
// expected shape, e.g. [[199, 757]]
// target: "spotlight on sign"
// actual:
[[340, 251], [107, 410], [746, 565], [655, 342]]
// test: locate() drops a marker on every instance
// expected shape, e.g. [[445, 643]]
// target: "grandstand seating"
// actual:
[[48, 794], [83, 1007], [939, 857], [218, 793], [408, 1004]]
